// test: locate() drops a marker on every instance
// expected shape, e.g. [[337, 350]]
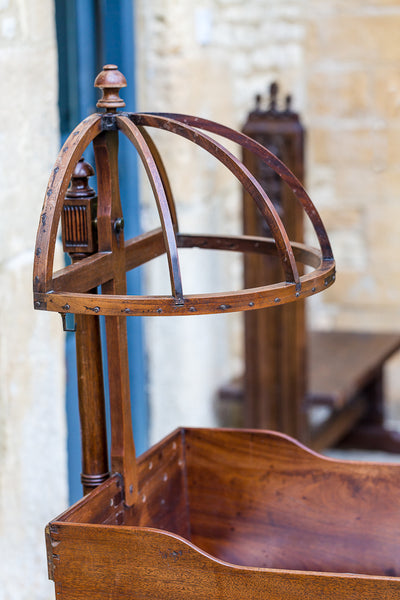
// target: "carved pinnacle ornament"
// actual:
[[110, 81]]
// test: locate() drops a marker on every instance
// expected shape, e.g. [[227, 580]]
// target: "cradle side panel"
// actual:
[[100, 562], [260, 499], [162, 499]]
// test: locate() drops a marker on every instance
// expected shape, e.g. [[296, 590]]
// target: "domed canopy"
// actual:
[[69, 290]]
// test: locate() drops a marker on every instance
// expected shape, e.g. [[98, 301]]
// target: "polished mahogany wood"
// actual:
[[231, 514]]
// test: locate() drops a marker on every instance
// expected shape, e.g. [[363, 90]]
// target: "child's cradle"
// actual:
[[206, 513]]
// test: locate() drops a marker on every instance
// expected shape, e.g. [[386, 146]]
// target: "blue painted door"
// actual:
[[91, 33]]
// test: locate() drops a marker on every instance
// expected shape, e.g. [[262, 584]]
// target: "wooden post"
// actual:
[[79, 240], [111, 239], [275, 356]]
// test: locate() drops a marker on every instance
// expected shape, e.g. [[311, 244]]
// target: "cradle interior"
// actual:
[[260, 499]]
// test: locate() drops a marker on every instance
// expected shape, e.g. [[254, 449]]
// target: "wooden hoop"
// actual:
[[66, 290]]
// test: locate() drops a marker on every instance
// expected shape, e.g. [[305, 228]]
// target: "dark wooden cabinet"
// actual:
[[289, 369]]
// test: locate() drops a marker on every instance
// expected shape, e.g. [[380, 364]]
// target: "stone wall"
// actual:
[[32, 421], [340, 61]]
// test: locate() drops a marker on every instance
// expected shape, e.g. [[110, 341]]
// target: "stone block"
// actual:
[[339, 93], [386, 91], [365, 38]]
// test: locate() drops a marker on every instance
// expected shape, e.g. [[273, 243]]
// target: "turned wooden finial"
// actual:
[[79, 187], [273, 93], [110, 81]]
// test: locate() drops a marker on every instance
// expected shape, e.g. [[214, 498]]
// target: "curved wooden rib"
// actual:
[[272, 161], [59, 180], [163, 174], [134, 135], [242, 174]]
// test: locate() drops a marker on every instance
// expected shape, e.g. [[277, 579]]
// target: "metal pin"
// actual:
[[64, 324]]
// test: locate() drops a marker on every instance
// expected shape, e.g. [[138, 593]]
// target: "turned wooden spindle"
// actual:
[[79, 214], [110, 81], [80, 241]]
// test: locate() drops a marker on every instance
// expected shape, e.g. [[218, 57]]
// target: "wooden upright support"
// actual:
[[275, 361], [111, 239], [79, 241]]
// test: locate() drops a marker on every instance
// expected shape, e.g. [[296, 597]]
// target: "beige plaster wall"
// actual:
[[340, 60], [32, 427]]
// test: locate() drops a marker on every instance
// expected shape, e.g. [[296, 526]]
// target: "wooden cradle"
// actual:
[[205, 513]]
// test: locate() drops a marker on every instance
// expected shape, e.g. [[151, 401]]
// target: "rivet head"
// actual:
[[119, 225], [313, 289], [251, 303], [277, 300], [159, 310], [96, 309], [37, 304]]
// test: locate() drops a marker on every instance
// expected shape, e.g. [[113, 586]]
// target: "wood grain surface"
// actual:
[[230, 515]]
